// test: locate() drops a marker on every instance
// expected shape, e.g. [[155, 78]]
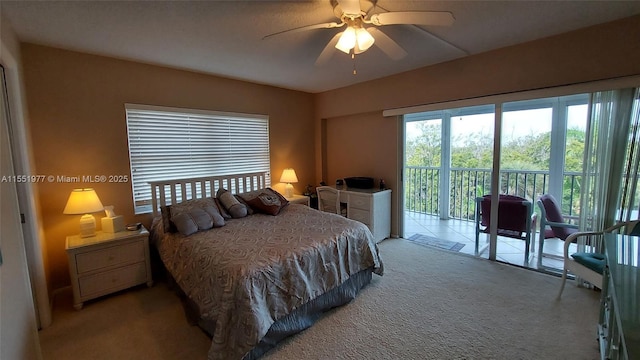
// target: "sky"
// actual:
[[515, 124]]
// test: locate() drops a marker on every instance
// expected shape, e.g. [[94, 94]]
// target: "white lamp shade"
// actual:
[[83, 201], [347, 40], [364, 40], [289, 176]]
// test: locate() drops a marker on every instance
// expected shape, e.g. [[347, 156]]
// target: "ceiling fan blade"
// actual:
[[328, 50], [351, 7], [330, 25], [387, 45], [437, 18]]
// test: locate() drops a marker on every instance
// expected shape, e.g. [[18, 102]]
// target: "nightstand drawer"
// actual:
[[360, 202], [98, 259], [113, 280], [360, 215]]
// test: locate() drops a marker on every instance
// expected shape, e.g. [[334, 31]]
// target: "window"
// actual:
[[541, 152], [172, 143]]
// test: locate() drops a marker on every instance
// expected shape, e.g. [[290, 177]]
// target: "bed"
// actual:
[[251, 281]]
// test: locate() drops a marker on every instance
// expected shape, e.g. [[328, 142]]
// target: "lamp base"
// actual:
[[288, 190], [87, 225]]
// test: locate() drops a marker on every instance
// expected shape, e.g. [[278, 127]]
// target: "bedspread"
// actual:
[[251, 272]]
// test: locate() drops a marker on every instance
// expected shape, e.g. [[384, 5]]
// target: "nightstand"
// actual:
[[299, 199], [108, 262]]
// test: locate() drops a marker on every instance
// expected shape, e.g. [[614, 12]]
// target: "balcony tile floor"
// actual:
[[508, 250]]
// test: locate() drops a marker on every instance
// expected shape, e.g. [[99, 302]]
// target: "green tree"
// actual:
[[475, 151], [424, 150], [574, 151]]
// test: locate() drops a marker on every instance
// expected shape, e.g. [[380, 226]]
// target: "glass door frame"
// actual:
[[559, 106]]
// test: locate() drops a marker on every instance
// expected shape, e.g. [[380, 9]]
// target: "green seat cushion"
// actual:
[[593, 261]]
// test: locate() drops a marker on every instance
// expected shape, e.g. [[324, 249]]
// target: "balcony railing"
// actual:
[[422, 189]]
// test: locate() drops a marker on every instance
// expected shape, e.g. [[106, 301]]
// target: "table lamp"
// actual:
[[84, 202], [288, 176]]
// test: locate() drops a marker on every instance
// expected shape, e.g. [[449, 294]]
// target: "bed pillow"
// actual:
[[243, 202], [197, 219], [265, 201], [231, 204], [184, 224], [192, 221], [222, 210], [218, 220], [194, 215]]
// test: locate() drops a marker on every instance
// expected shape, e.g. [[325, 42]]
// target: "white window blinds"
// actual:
[[173, 143]]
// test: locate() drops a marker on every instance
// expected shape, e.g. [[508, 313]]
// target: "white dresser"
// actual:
[[107, 262], [371, 207]]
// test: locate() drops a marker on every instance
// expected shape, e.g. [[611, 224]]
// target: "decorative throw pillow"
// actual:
[[218, 220], [283, 199], [231, 204], [243, 202], [189, 205], [185, 223], [266, 201], [201, 213], [222, 210]]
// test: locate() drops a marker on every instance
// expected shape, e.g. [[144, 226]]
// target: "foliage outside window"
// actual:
[[526, 153]]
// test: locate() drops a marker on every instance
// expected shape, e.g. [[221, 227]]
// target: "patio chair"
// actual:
[[328, 199], [589, 262], [552, 224], [515, 218]]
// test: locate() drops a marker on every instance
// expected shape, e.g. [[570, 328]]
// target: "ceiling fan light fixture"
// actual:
[[364, 39], [347, 40]]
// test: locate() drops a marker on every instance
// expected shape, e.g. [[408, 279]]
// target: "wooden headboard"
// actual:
[[167, 192]]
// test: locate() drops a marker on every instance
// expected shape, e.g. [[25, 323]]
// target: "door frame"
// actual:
[[27, 199]]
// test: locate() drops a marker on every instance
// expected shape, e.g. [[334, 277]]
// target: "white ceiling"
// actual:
[[225, 37]]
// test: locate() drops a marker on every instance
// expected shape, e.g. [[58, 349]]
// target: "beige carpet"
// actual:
[[430, 304]]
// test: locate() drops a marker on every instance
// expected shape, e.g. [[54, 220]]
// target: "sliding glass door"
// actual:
[[451, 158], [447, 163]]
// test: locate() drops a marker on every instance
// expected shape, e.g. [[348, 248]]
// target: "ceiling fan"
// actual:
[[362, 21]]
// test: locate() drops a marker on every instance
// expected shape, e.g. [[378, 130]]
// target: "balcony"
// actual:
[[451, 217], [540, 145], [463, 231]]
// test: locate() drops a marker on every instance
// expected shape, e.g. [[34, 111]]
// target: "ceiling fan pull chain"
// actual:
[[353, 56]]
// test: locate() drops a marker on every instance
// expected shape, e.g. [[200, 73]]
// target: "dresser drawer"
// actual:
[[360, 202], [364, 216], [113, 280], [98, 259]]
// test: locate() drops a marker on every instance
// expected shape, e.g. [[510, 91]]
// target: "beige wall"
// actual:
[[78, 126], [360, 142]]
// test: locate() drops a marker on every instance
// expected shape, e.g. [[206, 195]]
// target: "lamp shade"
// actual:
[[289, 176], [364, 40], [347, 40], [83, 201]]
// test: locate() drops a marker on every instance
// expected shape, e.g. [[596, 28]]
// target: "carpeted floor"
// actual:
[[430, 304]]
